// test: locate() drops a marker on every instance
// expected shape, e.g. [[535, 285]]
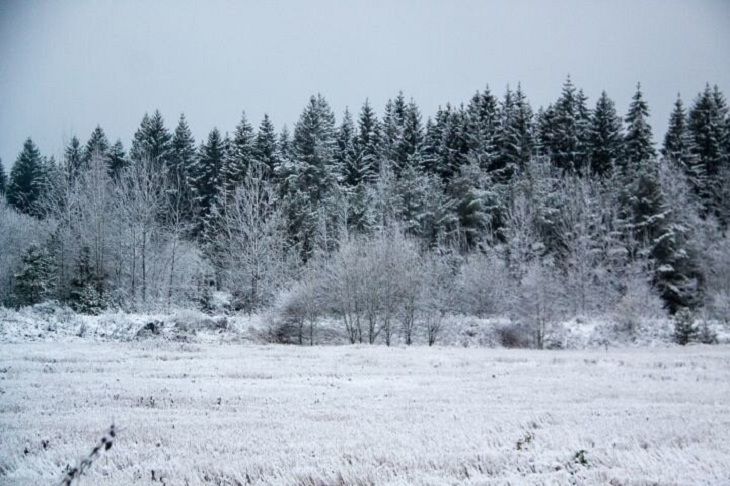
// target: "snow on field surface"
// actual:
[[248, 414]]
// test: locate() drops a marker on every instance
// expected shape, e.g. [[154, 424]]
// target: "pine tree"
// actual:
[[116, 160], [638, 145], [566, 143], [266, 149], [34, 281], [241, 157], [74, 158], [3, 180], [84, 295], [182, 153], [514, 138], [207, 178], [97, 145], [26, 180], [707, 125], [604, 137], [364, 167], [345, 153], [409, 145], [483, 121], [151, 141], [313, 174]]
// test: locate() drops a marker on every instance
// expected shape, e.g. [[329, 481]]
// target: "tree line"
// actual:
[[569, 205]]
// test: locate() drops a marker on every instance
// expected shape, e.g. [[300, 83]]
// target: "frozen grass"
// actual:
[[241, 414]]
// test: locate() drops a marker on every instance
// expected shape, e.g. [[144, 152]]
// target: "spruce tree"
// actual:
[[515, 142], [345, 153], [410, 143], [265, 148], [364, 168], [33, 283], [84, 296], [241, 156], [182, 159], [707, 125], [74, 158], [26, 180], [3, 180], [604, 137], [151, 141], [97, 145], [207, 179], [116, 160], [567, 140], [638, 145], [483, 122]]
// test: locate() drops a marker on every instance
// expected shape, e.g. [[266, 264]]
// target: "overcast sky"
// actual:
[[66, 66]]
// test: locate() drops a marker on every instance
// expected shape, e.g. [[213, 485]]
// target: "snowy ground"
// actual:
[[241, 414]]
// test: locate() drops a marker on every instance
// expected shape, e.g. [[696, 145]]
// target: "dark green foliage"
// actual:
[[685, 329], [26, 180], [151, 141], [3, 179], [74, 158], [116, 160], [85, 294], [708, 129], [514, 136], [206, 178], [97, 145], [638, 144], [33, 283], [364, 167], [565, 130], [241, 156], [604, 137], [266, 148]]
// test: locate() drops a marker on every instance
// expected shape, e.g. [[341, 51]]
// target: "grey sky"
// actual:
[[66, 66]]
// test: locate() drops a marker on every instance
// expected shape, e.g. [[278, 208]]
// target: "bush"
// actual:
[[685, 329]]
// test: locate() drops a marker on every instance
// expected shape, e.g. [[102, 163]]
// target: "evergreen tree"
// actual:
[[182, 153], [313, 174], [566, 142], [84, 295], [265, 147], [345, 153], [151, 141], [34, 281], [446, 147], [26, 180], [364, 167], [638, 145], [514, 138], [241, 157], [207, 179], [409, 146], [604, 137], [74, 158], [3, 180], [707, 124], [483, 122], [116, 160], [97, 145]]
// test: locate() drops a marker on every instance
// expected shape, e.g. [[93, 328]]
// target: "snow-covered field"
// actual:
[[266, 414]]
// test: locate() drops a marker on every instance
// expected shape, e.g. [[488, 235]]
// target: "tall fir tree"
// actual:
[[364, 168], [345, 153], [206, 179], [566, 143], [483, 122], [151, 141], [3, 181], [26, 180], [74, 158], [678, 147], [241, 157], [266, 148], [116, 160], [182, 153], [96, 145], [604, 137], [638, 145], [707, 126]]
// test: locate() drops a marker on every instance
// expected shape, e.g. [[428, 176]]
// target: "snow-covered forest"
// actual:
[[388, 221]]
